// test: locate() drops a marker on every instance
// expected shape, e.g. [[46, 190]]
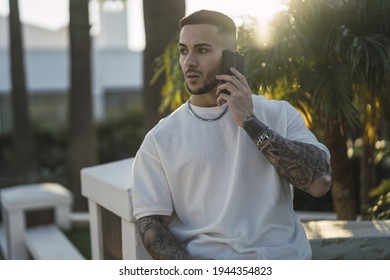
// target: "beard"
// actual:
[[210, 83]]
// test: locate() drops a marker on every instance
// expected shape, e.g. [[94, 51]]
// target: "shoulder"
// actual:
[[169, 122], [166, 127]]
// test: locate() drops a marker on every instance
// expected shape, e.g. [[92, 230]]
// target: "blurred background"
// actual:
[[81, 82]]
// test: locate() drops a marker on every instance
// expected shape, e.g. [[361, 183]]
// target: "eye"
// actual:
[[183, 51], [202, 50]]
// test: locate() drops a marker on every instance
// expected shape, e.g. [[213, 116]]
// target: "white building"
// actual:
[[117, 70]]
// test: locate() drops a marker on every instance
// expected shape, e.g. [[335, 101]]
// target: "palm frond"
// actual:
[[174, 91], [330, 86]]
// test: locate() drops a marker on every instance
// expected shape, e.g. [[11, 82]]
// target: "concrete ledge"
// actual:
[[349, 240], [308, 216]]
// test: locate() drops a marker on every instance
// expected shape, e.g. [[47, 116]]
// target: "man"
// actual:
[[212, 180]]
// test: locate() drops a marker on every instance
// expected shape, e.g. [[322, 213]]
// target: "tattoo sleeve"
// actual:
[[158, 240], [304, 165]]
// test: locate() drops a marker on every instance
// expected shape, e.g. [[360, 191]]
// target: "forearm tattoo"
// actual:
[[158, 240], [300, 163]]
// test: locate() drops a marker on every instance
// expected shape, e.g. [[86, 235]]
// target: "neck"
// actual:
[[204, 100]]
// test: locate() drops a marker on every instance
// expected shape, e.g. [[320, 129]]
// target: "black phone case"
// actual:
[[232, 59]]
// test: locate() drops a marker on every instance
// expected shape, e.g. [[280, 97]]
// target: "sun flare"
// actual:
[[36, 12], [261, 10]]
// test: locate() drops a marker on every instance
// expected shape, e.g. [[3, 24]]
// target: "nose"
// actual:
[[190, 61]]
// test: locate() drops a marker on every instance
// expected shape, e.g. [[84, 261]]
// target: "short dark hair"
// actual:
[[225, 24]]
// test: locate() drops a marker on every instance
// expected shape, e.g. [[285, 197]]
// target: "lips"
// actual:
[[192, 76]]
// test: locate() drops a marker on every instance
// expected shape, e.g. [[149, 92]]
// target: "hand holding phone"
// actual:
[[242, 107], [231, 59]]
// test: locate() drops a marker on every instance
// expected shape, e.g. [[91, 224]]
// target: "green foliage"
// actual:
[[382, 188], [120, 137], [381, 207], [381, 157], [174, 91], [80, 237], [6, 150], [50, 148]]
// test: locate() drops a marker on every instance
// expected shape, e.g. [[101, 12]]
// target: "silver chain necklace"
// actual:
[[204, 119]]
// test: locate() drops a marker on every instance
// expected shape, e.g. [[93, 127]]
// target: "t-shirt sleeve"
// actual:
[[150, 193]]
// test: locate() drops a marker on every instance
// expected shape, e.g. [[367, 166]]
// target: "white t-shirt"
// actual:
[[226, 199]]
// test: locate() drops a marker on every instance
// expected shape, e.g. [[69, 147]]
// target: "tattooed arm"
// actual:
[[304, 165], [158, 240]]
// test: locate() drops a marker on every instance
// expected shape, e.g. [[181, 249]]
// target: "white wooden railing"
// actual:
[[21, 241], [113, 234]]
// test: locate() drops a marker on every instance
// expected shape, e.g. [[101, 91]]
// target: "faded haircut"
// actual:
[[226, 26]]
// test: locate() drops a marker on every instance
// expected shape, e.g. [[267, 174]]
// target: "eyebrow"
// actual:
[[196, 45]]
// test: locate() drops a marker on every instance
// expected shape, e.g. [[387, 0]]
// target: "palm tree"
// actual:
[[161, 24], [82, 152], [327, 83], [23, 136], [366, 48], [358, 42], [336, 54]]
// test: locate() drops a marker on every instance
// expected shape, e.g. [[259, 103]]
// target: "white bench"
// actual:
[[17, 200], [50, 243]]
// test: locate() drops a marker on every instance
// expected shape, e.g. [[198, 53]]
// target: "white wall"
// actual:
[[114, 65], [3, 32], [113, 29], [49, 69], [118, 68]]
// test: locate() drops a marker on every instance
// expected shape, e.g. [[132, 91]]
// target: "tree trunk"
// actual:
[[82, 152], [344, 199], [161, 24], [371, 120], [367, 172], [25, 158]]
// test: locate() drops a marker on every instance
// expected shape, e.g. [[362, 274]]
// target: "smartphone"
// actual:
[[232, 59]]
